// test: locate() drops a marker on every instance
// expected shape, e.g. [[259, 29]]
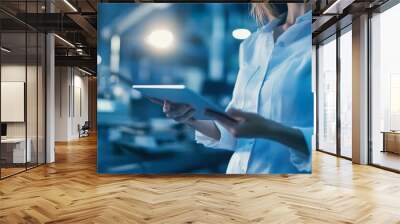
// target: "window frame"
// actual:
[[334, 37]]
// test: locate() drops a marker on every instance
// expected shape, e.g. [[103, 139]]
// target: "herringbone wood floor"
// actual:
[[70, 191]]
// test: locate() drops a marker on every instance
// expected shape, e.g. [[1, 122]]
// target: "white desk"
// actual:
[[18, 149]]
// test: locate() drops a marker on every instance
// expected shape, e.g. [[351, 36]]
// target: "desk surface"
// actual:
[[13, 140], [391, 132]]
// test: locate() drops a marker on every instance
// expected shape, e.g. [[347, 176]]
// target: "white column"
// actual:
[[360, 90], [50, 93], [50, 99]]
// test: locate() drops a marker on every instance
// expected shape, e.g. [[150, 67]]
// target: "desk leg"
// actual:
[[384, 143]]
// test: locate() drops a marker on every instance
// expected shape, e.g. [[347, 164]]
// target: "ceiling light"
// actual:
[[5, 50], [241, 34], [337, 7], [159, 86], [160, 39], [70, 5], [65, 41], [84, 71]]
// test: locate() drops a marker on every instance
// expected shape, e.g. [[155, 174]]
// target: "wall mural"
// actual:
[[204, 88]]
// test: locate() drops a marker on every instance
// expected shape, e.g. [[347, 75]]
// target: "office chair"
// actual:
[[84, 130]]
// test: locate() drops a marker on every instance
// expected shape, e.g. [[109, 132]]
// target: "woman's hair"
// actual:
[[260, 10]]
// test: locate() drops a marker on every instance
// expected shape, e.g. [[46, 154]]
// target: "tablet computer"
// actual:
[[181, 94]]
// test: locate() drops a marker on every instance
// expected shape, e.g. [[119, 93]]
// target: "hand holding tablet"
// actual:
[[183, 102]]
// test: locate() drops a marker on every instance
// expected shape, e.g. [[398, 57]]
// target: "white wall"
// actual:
[[71, 94], [12, 73], [17, 73], [62, 81], [80, 100]]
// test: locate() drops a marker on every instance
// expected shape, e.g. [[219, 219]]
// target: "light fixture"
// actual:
[[159, 86], [337, 7], [79, 51], [241, 34], [65, 41], [160, 39], [5, 50], [70, 5], [84, 71]]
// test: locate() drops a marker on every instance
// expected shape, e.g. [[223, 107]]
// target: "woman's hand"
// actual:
[[251, 125], [179, 112], [184, 114], [248, 125]]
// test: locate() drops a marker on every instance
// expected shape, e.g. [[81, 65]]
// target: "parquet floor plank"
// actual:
[[70, 191]]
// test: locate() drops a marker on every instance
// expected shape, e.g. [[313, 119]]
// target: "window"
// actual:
[[346, 93], [385, 89], [327, 96]]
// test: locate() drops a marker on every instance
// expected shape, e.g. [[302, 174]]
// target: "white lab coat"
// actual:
[[274, 80]]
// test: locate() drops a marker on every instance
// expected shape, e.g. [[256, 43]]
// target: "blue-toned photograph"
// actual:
[[205, 88]]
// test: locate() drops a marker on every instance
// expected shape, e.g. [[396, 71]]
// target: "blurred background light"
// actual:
[[160, 39], [241, 34], [118, 91], [98, 59], [104, 105], [115, 49]]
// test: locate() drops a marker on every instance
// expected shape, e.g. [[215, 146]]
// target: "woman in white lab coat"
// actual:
[[272, 99]]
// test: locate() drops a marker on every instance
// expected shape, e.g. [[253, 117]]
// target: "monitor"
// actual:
[[3, 129]]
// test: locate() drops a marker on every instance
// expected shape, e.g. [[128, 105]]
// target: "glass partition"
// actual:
[[22, 91], [14, 143]]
